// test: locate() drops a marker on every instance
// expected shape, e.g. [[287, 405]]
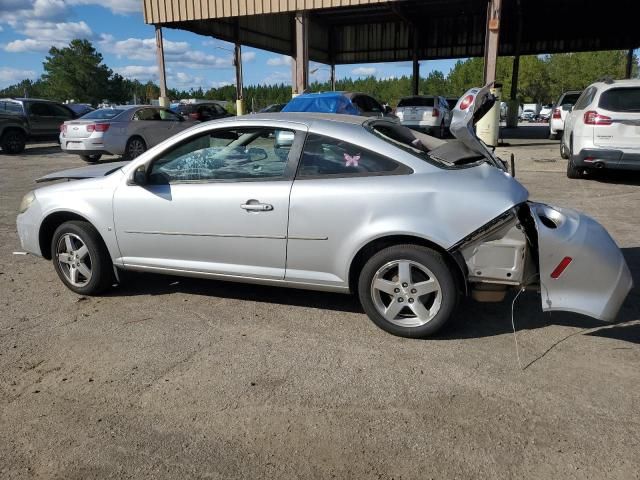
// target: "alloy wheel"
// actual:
[[74, 259], [406, 293], [136, 148]]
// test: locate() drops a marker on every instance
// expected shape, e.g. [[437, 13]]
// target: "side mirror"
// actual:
[[140, 176], [257, 154]]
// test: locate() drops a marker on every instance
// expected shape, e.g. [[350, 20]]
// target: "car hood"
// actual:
[[90, 171]]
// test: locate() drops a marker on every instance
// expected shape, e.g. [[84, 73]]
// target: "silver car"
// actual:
[[328, 202], [128, 131]]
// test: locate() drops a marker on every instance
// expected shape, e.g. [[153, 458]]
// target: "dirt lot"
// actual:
[[175, 378]]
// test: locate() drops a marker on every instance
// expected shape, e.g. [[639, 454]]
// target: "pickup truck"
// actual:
[[25, 119]]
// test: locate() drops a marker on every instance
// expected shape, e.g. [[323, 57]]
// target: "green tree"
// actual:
[[76, 72]]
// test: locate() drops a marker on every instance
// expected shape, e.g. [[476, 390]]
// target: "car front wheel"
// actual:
[[80, 258], [408, 290]]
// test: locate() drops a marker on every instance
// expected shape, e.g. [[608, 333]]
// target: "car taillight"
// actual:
[[435, 112], [195, 116], [466, 101], [594, 118], [556, 113], [98, 127]]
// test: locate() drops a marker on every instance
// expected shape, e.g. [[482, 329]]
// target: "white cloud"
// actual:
[[277, 78], [221, 84], [179, 53], [116, 6], [41, 35], [364, 71], [14, 11], [9, 76], [139, 72], [248, 57], [144, 73], [280, 61]]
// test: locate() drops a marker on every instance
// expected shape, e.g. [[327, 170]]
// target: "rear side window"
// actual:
[[416, 102], [325, 156], [11, 107], [621, 99], [103, 114], [585, 99], [569, 99]]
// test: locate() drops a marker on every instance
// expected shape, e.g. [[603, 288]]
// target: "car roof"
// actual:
[[306, 117], [628, 82]]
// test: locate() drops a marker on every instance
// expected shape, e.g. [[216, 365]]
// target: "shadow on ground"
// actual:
[[473, 319]]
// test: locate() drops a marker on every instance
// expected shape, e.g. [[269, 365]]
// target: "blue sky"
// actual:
[[28, 28]]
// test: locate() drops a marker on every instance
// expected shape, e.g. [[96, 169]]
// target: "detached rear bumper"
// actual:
[[582, 269], [610, 159]]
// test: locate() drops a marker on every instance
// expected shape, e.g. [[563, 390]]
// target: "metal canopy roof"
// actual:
[[364, 31]]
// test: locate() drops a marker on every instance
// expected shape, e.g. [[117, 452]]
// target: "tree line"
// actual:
[[78, 72]]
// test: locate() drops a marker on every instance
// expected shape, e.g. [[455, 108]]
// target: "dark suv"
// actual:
[[23, 119], [202, 111]]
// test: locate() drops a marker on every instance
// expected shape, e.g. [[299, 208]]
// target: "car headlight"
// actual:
[[26, 202]]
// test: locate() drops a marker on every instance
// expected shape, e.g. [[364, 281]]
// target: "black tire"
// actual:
[[420, 257], [13, 141], [131, 150], [101, 266], [91, 158], [573, 171]]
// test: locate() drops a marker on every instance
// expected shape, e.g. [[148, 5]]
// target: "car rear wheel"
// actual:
[[13, 141], [80, 258], [408, 290], [135, 147], [90, 158]]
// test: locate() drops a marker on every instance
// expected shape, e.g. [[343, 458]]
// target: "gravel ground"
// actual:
[[180, 378]]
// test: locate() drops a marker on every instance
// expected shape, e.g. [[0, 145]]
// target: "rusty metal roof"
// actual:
[[365, 31]]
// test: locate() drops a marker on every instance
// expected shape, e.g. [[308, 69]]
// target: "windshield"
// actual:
[[103, 114], [416, 102]]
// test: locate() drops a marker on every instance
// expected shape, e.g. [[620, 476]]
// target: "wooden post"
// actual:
[[163, 100], [491, 41], [301, 61]]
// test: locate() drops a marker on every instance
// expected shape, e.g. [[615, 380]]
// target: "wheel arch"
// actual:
[[49, 225], [380, 243]]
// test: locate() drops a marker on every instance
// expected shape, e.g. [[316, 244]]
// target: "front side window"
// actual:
[[41, 110], [325, 156], [147, 114], [168, 115], [229, 154]]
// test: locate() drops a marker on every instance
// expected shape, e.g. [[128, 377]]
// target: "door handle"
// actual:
[[256, 207]]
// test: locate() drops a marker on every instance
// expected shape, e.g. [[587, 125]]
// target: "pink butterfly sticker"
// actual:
[[350, 161]]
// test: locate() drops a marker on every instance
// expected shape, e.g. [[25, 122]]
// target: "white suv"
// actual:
[[559, 114], [430, 114], [603, 129]]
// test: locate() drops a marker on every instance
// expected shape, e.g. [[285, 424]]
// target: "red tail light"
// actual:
[[466, 101], [98, 127], [594, 118], [195, 116], [564, 263], [556, 113], [435, 112]]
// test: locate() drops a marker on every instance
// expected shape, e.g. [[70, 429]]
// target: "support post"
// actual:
[[301, 61], [415, 76], [237, 62], [163, 100], [488, 126], [629, 68], [513, 110], [491, 41], [333, 77]]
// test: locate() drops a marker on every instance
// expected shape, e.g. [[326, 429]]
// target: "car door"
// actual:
[[215, 203], [172, 123], [577, 112], [45, 118]]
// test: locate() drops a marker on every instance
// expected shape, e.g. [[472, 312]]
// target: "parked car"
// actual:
[[127, 131], [41, 120], [426, 113], [274, 107], [602, 131], [561, 108], [80, 109], [529, 115], [13, 133], [341, 203], [452, 102], [545, 113], [202, 111], [351, 103]]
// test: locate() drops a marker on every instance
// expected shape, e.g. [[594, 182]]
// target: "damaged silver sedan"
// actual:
[[328, 202]]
